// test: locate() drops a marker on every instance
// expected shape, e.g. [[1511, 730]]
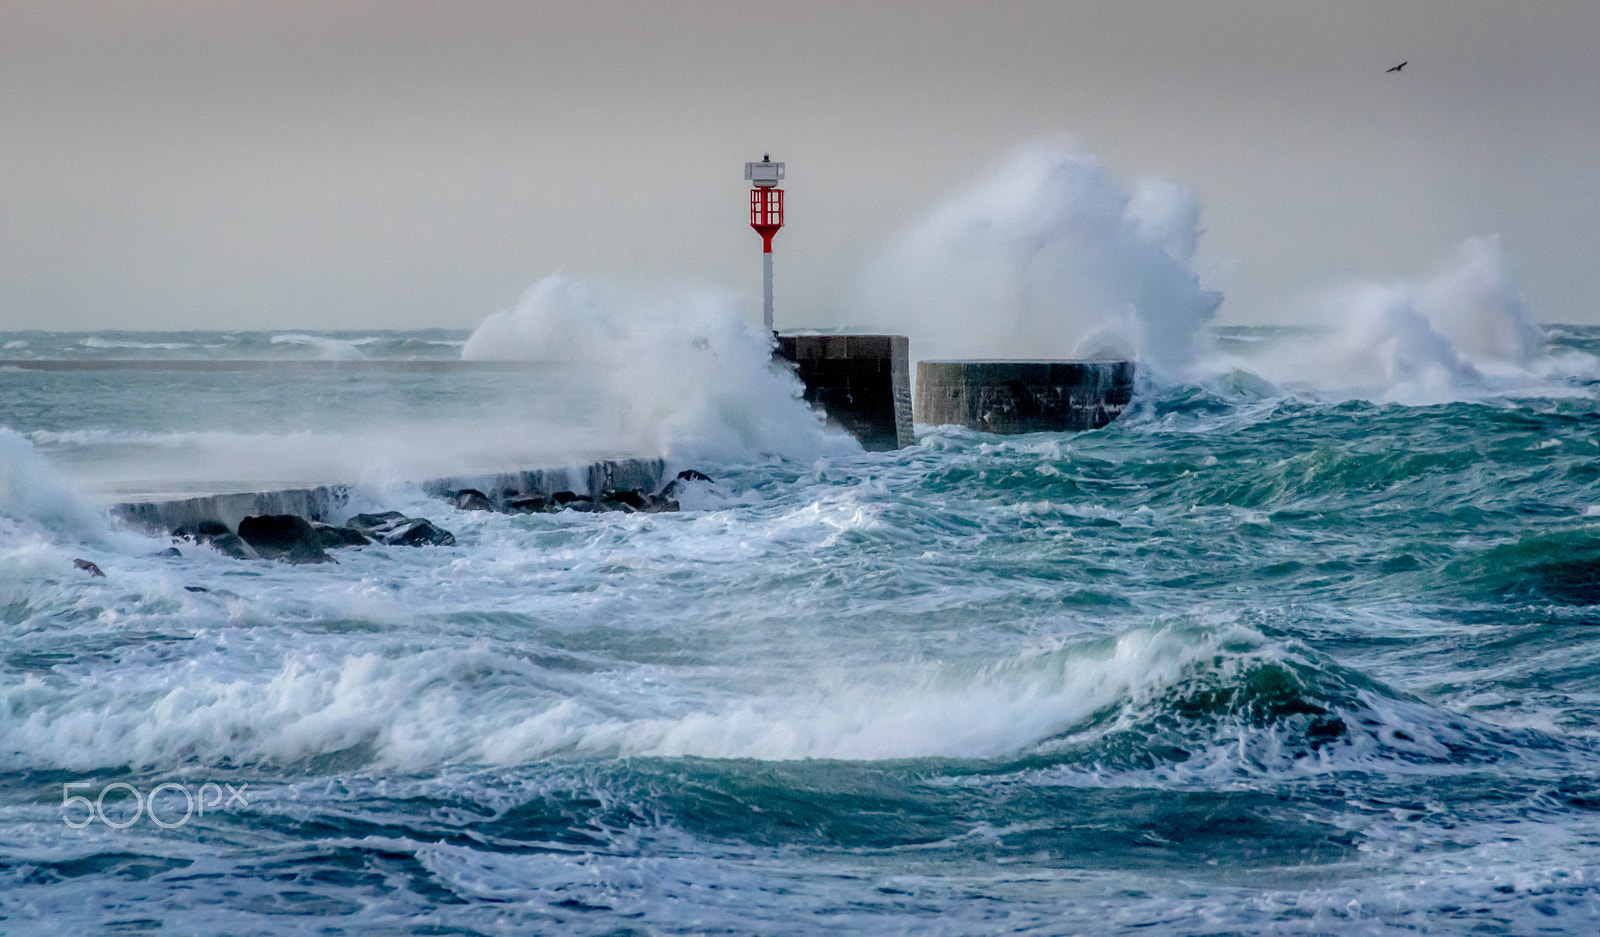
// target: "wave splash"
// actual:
[[1462, 332], [1048, 257], [1211, 700], [686, 377], [34, 498]]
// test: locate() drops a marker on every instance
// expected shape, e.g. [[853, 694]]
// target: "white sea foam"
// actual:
[[95, 341], [1051, 257], [1463, 332], [415, 709], [34, 497], [996, 709], [328, 349], [687, 375], [1047, 257]]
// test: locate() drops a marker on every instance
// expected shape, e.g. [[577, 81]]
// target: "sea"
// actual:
[[1269, 654]]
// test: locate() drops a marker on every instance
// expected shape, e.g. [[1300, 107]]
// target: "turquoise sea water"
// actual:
[[1255, 659]]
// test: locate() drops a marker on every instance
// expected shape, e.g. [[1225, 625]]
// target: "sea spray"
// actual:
[[1049, 256], [1460, 333], [685, 374], [1475, 303], [34, 497]]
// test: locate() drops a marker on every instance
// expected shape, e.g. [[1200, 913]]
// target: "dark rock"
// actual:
[[335, 537], [367, 523], [89, 567], [233, 545], [640, 501], [470, 499], [218, 536], [661, 504], [416, 532], [195, 589], [529, 504], [627, 500], [571, 501], [284, 537], [395, 529], [170, 551], [633, 500], [679, 485], [202, 530]]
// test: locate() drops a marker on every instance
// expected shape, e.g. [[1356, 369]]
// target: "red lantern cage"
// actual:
[[766, 214]]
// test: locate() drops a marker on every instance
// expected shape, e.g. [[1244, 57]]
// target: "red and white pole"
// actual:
[[766, 217]]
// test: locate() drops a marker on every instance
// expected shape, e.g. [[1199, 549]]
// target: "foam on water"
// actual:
[[474, 705], [95, 341], [327, 349], [1464, 332], [1000, 681], [1264, 657]]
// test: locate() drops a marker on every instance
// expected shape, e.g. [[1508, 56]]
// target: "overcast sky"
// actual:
[[402, 164]]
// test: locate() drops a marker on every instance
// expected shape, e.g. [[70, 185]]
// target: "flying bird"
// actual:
[[1396, 68]]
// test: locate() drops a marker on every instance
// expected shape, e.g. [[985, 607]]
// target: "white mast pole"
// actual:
[[766, 291], [766, 217]]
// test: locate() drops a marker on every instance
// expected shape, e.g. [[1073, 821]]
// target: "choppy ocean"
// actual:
[[1254, 659]]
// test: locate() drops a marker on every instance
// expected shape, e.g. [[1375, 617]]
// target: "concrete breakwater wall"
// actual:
[[323, 503], [202, 365], [1023, 396], [861, 383]]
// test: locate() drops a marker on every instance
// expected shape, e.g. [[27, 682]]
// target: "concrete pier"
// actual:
[[1010, 397], [326, 502], [305, 366], [861, 383], [314, 504]]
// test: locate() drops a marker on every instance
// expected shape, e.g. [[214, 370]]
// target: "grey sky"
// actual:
[[403, 164]]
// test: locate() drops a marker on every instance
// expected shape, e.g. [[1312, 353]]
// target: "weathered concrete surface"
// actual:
[[379, 365], [313, 504], [1023, 396], [323, 503], [861, 383]]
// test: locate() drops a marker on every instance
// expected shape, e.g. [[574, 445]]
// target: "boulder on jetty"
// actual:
[[529, 504], [200, 530], [629, 500], [219, 537], [469, 499], [637, 501], [625, 500], [396, 529], [334, 537], [677, 486], [284, 537], [572, 501]]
